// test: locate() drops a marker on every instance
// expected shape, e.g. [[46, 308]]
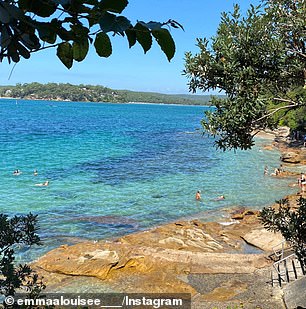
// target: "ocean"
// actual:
[[115, 169]]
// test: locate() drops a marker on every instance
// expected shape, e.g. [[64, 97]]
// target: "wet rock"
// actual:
[[239, 215], [290, 157], [268, 147]]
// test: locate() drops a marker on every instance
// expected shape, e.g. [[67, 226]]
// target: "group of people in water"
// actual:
[[277, 171], [18, 172], [198, 197]]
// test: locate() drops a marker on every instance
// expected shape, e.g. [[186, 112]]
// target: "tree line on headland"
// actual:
[[295, 119], [90, 93]]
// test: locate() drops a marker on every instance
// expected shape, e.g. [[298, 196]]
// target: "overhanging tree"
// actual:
[[18, 230], [259, 62], [71, 26], [291, 223]]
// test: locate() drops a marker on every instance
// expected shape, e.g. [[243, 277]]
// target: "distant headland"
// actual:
[[90, 93]]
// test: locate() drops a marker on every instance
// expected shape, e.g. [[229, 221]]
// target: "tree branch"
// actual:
[[272, 112], [285, 100], [45, 47], [297, 52]]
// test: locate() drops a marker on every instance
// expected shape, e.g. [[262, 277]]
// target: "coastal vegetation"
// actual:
[[259, 61], [30, 26], [21, 231], [292, 225], [90, 93]]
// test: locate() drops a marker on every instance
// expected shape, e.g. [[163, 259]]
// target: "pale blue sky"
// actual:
[[130, 68]]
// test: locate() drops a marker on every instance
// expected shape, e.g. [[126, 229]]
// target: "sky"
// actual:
[[131, 69]]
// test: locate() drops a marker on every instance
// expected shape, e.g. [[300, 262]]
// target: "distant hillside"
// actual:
[[154, 97], [89, 93], [60, 92]]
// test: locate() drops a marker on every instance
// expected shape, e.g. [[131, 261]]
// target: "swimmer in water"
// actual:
[[220, 198], [198, 195], [44, 184]]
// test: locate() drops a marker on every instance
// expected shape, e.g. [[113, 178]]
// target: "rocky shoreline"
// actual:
[[219, 264]]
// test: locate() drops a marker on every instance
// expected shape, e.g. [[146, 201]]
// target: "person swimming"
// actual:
[[17, 172], [44, 184], [276, 172], [35, 173], [198, 195], [220, 198], [266, 170]]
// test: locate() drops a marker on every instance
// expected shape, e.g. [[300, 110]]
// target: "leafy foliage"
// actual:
[[28, 26], [19, 230], [292, 224], [294, 118], [257, 60]]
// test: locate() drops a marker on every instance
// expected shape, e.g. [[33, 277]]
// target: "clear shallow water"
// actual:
[[118, 168]]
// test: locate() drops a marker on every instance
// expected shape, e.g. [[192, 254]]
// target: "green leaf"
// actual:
[[65, 54], [143, 37], [12, 10], [63, 3], [80, 31], [30, 40], [42, 8], [110, 22], [64, 34], [23, 51], [12, 50], [121, 25], [151, 25], [4, 16], [165, 41], [5, 38], [131, 36], [107, 22], [175, 24], [47, 32], [113, 6], [80, 50], [103, 45]]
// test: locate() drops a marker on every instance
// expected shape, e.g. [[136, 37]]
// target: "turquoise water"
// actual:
[[119, 168]]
